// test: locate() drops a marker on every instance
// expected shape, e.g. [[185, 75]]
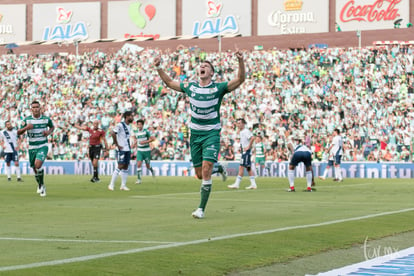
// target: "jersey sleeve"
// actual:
[[116, 128], [223, 87], [24, 123], [185, 87], [50, 123]]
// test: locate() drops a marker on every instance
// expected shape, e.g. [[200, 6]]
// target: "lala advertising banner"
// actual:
[[67, 22], [216, 17], [12, 23]]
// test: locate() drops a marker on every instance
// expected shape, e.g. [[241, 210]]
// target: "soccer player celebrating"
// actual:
[[143, 139], [205, 101], [38, 128], [11, 144]]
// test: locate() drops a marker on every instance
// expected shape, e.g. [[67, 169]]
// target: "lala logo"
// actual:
[[215, 24], [63, 16], [213, 9], [136, 16]]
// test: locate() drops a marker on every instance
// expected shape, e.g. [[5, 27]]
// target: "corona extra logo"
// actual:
[[293, 5]]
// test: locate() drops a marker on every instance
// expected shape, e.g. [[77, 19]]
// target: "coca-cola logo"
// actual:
[[379, 10]]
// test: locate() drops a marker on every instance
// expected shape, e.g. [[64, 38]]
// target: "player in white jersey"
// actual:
[[11, 142], [120, 135], [301, 153], [336, 150], [246, 143], [205, 97]]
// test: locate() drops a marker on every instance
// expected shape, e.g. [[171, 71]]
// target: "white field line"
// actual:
[[242, 190], [79, 241], [178, 244]]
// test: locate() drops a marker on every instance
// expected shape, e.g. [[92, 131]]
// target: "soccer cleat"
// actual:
[[336, 179], [19, 180], [340, 180], [233, 186], [198, 214], [43, 191], [93, 180], [138, 181], [110, 188], [322, 177], [38, 190], [124, 188], [291, 189], [251, 187], [8, 179], [309, 189]]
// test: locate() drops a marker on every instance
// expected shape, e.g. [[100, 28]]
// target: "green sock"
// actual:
[[139, 171], [37, 179], [41, 174], [204, 195]]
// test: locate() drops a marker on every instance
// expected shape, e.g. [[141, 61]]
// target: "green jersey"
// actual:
[[35, 135], [142, 135], [259, 150], [205, 102]]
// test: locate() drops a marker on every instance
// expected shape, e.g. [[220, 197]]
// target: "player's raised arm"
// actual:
[[165, 78], [84, 128], [241, 74]]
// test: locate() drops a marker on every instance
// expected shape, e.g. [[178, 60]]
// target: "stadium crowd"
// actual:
[[367, 93]]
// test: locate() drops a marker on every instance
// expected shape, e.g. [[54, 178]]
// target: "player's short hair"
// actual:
[[35, 102], [337, 130], [140, 121], [209, 63], [127, 113]]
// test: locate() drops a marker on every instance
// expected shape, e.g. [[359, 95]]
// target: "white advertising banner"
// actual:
[[67, 22], [352, 15], [277, 17], [12, 23], [142, 18], [216, 17]]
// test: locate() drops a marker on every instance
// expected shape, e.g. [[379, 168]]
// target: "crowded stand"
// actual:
[[367, 93]]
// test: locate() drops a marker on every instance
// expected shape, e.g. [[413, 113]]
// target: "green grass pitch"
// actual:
[[81, 228]]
